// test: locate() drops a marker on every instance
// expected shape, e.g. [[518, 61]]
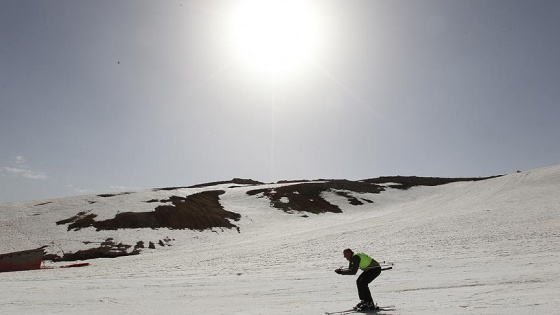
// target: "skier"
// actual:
[[371, 269]]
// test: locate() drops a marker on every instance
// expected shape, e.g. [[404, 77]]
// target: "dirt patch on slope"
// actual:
[[235, 181], [406, 182], [306, 197], [199, 211]]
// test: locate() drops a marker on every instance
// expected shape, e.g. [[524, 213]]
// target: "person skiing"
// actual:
[[370, 270]]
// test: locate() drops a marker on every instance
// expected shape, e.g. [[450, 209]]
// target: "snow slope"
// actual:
[[487, 247]]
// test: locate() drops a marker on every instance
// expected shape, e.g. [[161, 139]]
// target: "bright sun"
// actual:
[[275, 36]]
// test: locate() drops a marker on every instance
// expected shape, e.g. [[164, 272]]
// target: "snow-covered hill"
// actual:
[[476, 247]]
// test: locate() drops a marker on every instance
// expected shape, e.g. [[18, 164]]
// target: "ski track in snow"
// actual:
[[488, 247]]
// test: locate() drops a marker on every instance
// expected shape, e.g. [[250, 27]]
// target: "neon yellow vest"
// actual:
[[366, 261]]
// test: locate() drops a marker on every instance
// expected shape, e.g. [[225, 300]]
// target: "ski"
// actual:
[[340, 312], [353, 311]]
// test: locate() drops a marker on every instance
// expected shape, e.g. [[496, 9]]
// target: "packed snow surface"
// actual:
[[486, 247]]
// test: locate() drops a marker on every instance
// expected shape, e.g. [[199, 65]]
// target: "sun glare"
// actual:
[[275, 36]]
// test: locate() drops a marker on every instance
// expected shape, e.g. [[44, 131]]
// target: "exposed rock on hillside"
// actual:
[[406, 182], [307, 197], [199, 211]]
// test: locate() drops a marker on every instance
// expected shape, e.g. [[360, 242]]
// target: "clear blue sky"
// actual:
[[104, 95]]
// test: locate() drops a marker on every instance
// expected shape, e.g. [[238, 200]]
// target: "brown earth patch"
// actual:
[[306, 197], [199, 211], [113, 195], [406, 182], [235, 181], [44, 203], [107, 249]]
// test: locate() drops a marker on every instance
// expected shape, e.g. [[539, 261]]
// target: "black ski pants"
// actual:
[[363, 280]]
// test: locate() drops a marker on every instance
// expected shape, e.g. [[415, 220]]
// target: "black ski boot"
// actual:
[[368, 306], [372, 306], [359, 306]]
